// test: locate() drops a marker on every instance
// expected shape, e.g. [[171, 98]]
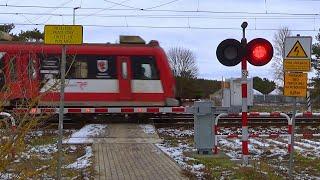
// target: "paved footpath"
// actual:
[[124, 151]]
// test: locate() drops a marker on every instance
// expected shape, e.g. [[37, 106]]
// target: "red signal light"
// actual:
[[259, 52]]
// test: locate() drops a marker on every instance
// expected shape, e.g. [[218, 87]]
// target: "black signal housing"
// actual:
[[229, 52]]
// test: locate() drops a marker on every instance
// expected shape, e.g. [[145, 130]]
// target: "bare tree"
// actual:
[[278, 43], [182, 62]]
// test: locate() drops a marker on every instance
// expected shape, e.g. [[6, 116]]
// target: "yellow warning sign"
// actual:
[[297, 51], [63, 34], [298, 65], [295, 84]]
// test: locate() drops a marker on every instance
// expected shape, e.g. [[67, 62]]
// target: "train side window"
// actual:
[[31, 68], [13, 69], [90, 67], [80, 70], [144, 67], [49, 66]]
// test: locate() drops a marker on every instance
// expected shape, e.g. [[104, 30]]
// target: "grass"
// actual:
[[43, 140], [43, 165], [307, 164], [218, 167], [263, 168], [214, 166]]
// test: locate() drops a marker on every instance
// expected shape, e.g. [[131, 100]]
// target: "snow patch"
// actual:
[[44, 149], [148, 128], [85, 133], [83, 161], [176, 153], [176, 132]]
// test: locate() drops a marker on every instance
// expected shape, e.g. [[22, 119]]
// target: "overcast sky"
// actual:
[[198, 25]]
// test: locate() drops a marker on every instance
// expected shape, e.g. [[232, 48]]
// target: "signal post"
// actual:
[[62, 35], [297, 62], [257, 52], [244, 92]]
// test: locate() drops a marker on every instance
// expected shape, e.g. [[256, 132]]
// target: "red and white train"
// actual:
[[125, 74]]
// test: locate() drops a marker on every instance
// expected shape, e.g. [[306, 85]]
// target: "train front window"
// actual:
[[144, 67]]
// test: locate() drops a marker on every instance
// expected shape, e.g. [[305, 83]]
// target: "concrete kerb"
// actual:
[[252, 114]]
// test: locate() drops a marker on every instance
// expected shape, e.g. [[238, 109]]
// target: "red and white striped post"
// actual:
[[257, 114], [244, 91]]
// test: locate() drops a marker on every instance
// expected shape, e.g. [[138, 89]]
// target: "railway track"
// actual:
[[76, 122], [234, 121]]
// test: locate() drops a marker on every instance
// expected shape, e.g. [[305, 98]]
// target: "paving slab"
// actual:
[[125, 151]]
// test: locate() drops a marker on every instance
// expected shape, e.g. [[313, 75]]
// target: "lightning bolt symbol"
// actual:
[[296, 50]]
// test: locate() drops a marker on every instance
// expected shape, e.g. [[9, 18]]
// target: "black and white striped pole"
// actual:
[[309, 101]]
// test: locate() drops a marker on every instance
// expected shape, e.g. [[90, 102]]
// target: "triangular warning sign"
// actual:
[[297, 51]]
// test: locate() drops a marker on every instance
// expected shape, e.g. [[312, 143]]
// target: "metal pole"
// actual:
[[244, 91], [61, 110], [309, 101], [291, 165], [74, 15]]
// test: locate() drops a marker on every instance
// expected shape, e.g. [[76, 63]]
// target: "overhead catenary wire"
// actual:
[[159, 16], [54, 9], [101, 10], [137, 8], [121, 3], [164, 10], [63, 4], [162, 27]]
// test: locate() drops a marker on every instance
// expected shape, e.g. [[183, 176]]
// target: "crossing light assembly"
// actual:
[[257, 52]]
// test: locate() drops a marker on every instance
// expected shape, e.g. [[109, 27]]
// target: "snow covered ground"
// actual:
[[260, 148], [83, 136], [177, 152], [83, 161], [41, 151]]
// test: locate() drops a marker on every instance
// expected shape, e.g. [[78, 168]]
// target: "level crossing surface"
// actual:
[[125, 151]]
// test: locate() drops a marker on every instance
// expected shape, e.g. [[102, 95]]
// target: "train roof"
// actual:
[[151, 43], [85, 48]]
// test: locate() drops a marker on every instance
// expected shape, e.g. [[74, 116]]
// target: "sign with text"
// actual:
[[297, 53], [297, 65], [295, 84], [63, 34]]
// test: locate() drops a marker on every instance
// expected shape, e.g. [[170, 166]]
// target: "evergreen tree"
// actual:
[[34, 35], [264, 85], [315, 81]]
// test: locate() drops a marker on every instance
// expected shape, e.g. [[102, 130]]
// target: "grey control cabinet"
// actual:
[[203, 123]]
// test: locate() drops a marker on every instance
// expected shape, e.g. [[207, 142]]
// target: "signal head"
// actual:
[[229, 52], [259, 52]]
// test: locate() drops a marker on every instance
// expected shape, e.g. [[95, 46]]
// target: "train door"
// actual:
[[124, 77]]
